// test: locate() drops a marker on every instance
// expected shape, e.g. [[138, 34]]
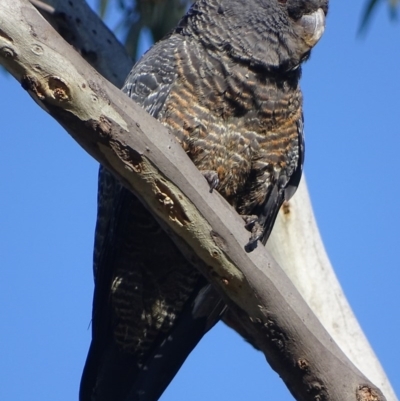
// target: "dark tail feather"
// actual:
[[163, 364], [113, 375], [107, 378], [268, 212]]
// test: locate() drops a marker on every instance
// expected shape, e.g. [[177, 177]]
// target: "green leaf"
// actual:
[[102, 6], [393, 8], [371, 6]]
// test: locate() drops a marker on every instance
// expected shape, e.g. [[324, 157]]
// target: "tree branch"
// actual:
[[144, 156], [76, 22], [296, 244]]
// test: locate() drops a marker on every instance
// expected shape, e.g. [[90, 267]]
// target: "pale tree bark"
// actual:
[[143, 156], [297, 246]]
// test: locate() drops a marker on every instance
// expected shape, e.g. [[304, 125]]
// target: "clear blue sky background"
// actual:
[[47, 215]]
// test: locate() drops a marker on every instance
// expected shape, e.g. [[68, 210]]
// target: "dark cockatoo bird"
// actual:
[[225, 82]]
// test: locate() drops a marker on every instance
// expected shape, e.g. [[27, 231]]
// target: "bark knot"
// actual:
[[171, 204], [59, 89], [102, 126], [303, 364], [218, 240], [32, 84], [7, 52], [366, 393]]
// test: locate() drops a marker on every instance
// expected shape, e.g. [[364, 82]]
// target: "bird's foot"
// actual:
[[212, 178], [256, 230]]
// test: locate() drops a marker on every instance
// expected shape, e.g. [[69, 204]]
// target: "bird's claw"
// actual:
[[212, 178], [256, 230]]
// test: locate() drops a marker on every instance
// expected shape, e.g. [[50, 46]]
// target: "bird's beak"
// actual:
[[314, 26]]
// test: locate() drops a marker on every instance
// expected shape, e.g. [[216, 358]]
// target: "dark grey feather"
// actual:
[[225, 82]]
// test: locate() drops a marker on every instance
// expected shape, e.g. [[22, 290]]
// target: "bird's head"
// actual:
[[276, 35], [307, 18]]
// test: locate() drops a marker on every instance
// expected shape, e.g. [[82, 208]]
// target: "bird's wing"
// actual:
[[150, 306], [283, 189]]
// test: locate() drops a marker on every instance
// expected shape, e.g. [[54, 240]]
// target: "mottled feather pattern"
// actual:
[[248, 125], [105, 203], [148, 89], [225, 82], [234, 120], [147, 291]]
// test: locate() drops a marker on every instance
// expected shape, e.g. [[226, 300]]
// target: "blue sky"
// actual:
[[48, 202]]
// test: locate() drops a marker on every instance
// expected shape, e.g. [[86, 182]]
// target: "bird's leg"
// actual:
[[212, 178], [256, 230]]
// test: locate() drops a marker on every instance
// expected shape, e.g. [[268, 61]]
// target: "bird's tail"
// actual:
[[116, 375], [165, 361]]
